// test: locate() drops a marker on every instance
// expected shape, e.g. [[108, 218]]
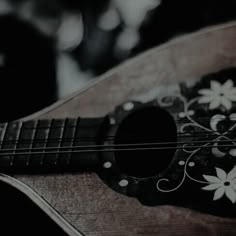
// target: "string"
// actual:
[[74, 126], [124, 144], [110, 148], [77, 139], [46, 141]]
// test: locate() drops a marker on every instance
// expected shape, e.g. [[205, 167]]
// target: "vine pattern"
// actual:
[[217, 99]]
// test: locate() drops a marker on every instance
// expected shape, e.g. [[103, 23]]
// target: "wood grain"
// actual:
[[83, 199]]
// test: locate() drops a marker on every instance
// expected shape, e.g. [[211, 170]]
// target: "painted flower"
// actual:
[[218, 94], [222, 184]]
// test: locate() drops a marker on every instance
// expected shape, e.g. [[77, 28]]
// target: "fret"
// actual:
[[39, 136], [86, 134], [40, 141], [35, 124], [25, 141], [62, 132], [3, 128], [9, 142], [54, 140], [67, 141], [18, 127], [74, 142], [4, 160], [45, 141]]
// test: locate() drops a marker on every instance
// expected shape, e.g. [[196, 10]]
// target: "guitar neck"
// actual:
[[44, 146]]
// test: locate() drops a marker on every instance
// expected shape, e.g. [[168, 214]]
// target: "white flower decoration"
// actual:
[[222, 184], [218, 94]]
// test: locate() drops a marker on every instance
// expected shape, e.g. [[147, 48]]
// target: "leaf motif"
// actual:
[[212, 187], [233, 91], [226, 103], [215, 102], [230, 193], [227, 85], [206, 92], [214, 122], [221, 174], [205, 99], [233, 184], [216, 86], [231, 96], [212, 179], [219, 193], [232, 174]]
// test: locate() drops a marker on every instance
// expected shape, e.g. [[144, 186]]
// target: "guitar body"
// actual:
[[84, 199]]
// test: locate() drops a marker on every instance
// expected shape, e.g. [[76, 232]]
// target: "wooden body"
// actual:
[[83, 199]]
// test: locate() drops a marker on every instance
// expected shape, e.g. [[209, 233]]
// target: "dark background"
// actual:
[[28, 77]]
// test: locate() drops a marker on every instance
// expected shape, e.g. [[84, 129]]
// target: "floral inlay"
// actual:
[[218, 94], [206, 118], [222, 184]]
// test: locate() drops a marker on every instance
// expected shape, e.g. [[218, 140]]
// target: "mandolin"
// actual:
[[147, 149]]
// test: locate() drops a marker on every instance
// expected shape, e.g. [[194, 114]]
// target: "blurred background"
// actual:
[[52, 48]]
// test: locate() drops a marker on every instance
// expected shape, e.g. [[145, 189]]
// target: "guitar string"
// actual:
[[110, 138], [107, 137], [105, 150], [110, 148], [48, 141], [15, 141], [122, 145], [228, 119], [29, 141], [74, 126]]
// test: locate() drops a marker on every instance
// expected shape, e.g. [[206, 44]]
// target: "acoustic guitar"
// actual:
[[148, 149]]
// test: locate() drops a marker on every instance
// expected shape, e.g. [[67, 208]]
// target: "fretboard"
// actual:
[[57, 145]]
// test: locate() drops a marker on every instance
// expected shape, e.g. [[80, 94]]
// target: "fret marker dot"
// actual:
[[107, 165], [191, 164], [128, 106], [181, 163], [123, 183]]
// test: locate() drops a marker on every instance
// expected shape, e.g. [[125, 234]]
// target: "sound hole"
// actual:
[[147, 125]]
